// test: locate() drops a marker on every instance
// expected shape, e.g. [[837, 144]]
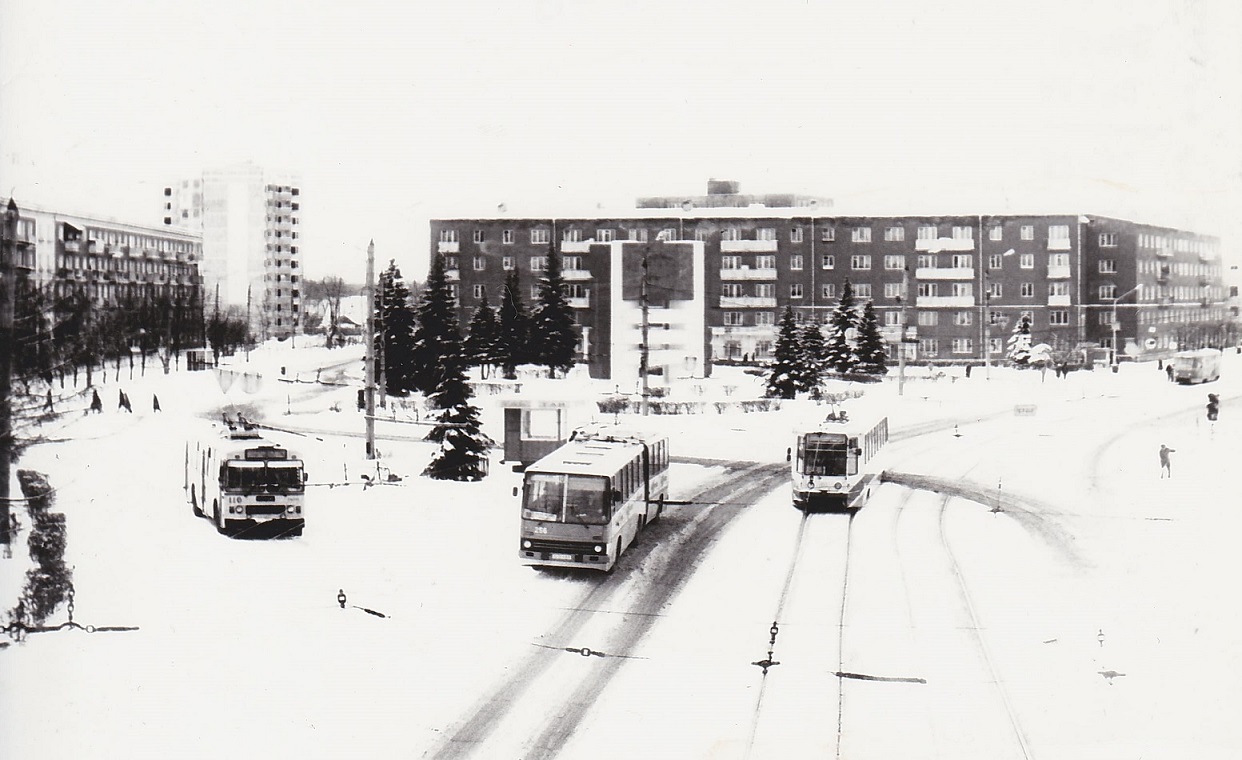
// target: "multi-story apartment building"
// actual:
[[108, 261], [965, 281], [250, 223]]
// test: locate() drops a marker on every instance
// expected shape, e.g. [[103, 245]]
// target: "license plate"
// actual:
[[561, 556]]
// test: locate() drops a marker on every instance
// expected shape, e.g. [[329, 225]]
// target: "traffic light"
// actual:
[[1213, 406]]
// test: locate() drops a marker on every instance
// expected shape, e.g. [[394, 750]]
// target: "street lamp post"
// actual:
[[1113, 322], [985, 312]]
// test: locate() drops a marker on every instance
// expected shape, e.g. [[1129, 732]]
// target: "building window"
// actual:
[[995, 289], [1108, 291], [731, 290], [894, 234], [1027, 290], [928, 318], [668, 233], [1108, 266], [765, 318], [892, 290], [540, 236], [795, 290], [863, 290], [637, 234], [892, 318], [963, 346], [963, 318], [860, 235], [963, 261], [927, 289], [828, 290], [730, 234], [733, 318], [996, 261], [928, 261], [478, 236], [1027, 232], [453, 291], [730, 261], [506, 237], [996, 232], [571, 235], [700, 234], [1058, 232], [963, 233], [795, 235], [480, 263], [1106, 317], [795, 262], [765, 290], [450, 263], [827, 261], [478, 291], [828, 235], [1058, 317], [894, 262], [766, 261], [1058, 288], [963, 290], [446, 236], [1108, 239], [538, 263], [506, 263], [605, 234], [763, 349], [576, 290], [927, 232], [571, 263], [766, 233], [1026, 261], [860, 262], [928, 347]]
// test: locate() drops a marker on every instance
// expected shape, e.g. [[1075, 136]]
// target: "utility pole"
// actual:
[[643, 356], [7, 274], [369, 391]]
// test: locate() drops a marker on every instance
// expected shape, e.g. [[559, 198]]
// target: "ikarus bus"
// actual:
[[585, 503], [835, 465], [246, 484]]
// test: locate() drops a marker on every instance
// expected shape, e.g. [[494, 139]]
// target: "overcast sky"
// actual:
[[397, 112]]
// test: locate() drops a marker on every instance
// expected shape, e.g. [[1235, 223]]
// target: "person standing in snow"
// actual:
[[96, 403], [1165, 468], [155, 403]]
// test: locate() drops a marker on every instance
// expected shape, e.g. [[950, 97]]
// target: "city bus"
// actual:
[[1201, 366], [835, 464], [246, 484], [586, 502]]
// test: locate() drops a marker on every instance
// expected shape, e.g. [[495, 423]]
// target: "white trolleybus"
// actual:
[[246, 484], [1201, 366], [586, 502], [835, 464]]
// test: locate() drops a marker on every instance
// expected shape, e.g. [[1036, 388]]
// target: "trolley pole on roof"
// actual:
[[643, 356], [369, 390]]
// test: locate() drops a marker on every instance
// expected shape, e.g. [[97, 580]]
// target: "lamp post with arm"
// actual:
[[1113, 322], [985, 313]]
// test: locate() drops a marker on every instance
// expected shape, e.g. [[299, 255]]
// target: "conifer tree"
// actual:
[[786, 372], [483, 336], [514, 327], [1019, 343], [553, 335], [394, 338], [872, 352], [437, 339], [813, 357], [840, 353], [462, 454]]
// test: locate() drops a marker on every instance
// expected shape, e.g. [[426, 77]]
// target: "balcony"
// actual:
[[1164, 253], [1207, 256], [73, 246], [1059, 244], [449, 246], [747, 302], [1058, 272], [748, 246], [746, 273], [944, 244], [581, 302], [575, 275], [949, 301], [1058, 300], [576, 246], [452, 275], [944, 273]]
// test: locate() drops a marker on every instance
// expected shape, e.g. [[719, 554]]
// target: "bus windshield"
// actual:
[[577, 499], [262, 476], [822, 455]]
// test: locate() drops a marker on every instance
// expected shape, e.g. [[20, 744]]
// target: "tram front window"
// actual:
[[566, 498], [823, 456]]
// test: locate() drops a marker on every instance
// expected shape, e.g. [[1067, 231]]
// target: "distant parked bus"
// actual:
[[585, 503], [1201, 366], [246, 484]]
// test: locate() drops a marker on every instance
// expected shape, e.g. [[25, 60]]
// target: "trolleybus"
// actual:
[[836, 463], [1201, 366], [244, 483], [585, 503]]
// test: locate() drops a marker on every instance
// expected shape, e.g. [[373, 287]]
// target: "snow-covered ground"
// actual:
[[1092, 565]]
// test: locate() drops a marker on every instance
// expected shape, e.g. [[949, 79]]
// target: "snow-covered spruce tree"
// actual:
[[481, 341], [872, 351], [553, 336], [813, 360], [1019, 344], [462, 454], [394, 335], [786, 372], [436, 338], [511, 348], [841, 356]]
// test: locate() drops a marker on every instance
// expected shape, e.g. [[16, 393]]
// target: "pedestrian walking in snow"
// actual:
[[96, 403], [1168, 371], [123, 402], [1166, 470], [48, 404], [967, 371], [155, 403]]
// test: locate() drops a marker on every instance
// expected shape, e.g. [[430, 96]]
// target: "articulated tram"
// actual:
[[586, 502], [835, 464], [246, 484]]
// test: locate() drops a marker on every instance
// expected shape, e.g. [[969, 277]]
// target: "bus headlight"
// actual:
[[526, 544], [837, 485], [598, 549]]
